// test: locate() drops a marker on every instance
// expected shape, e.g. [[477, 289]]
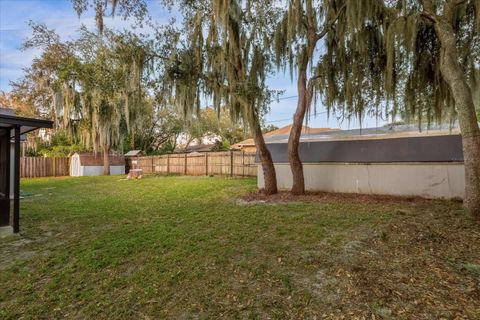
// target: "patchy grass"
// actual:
[[188, 248]]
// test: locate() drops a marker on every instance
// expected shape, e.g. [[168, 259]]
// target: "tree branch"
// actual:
[[428, 6], [329, 25], [429, 11], [450, 8]]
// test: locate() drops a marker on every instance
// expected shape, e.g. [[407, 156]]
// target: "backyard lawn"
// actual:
[[200, 248]]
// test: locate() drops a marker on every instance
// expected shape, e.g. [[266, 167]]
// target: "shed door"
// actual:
[[75, 166]]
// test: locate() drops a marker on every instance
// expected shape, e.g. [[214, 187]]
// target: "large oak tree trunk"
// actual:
[[305, 94], [106, 160], [269, 174], [296, 166], [452, 73]]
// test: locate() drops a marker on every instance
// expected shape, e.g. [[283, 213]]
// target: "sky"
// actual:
[[60, 16]]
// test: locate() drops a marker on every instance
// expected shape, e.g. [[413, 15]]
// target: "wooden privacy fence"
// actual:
[[31, 167], [232, 163]]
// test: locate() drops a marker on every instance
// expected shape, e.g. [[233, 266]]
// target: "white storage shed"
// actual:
[[89, 164]]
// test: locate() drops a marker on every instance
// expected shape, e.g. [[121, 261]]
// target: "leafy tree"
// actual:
[[59, 146], [163, 126], [269, 128], [20, 108], [159, 132], [209, 122], [39, 86]]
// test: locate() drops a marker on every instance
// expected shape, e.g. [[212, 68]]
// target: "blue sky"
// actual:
[[59, 15]]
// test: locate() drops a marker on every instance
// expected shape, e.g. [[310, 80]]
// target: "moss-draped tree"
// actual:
[[304, 24], [111, 95], [94, 85], [415, 58], [227, 57], [123, 8], [456, 71]]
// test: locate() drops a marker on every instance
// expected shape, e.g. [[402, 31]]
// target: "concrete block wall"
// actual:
[[430, 180]]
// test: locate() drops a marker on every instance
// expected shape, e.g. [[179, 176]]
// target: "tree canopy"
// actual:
[[94, 87], [383, 58]]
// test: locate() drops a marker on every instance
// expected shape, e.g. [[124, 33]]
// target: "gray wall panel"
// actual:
[[446, 148]]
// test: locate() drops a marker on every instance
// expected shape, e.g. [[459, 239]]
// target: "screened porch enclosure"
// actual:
[[4, 177], [11, 129]]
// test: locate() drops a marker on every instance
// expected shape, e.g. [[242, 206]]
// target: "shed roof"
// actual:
[[133, 153], [196, 148]]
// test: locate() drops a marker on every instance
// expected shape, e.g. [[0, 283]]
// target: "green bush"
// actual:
[[59, 145], [61, 150]]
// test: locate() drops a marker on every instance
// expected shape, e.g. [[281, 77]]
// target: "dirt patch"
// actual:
[[284, 196], [13, 250], [17, 248]]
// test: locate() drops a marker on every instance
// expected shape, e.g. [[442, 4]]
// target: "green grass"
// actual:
[[182, 248]]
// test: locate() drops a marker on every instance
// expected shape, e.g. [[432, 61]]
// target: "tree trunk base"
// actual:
[[269, 174], [298, 182], [471, 151], [106, 160], [270, 178], [298, 186], [296, 166], [453, 74]]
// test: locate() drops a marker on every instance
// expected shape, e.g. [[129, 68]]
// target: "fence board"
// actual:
[[236, 163], [32, 167]]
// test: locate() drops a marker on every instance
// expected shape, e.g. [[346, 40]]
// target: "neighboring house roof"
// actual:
[[91, 159], [196, 148], [306, 131], [244, 143], [133, 153], [385, 132], [326, 134], [7, 111]]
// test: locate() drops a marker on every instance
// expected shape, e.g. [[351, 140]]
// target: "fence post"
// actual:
[[168, 164], [231, 163], [153, 167], [185, 165], [243, 162], [206, 163]]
